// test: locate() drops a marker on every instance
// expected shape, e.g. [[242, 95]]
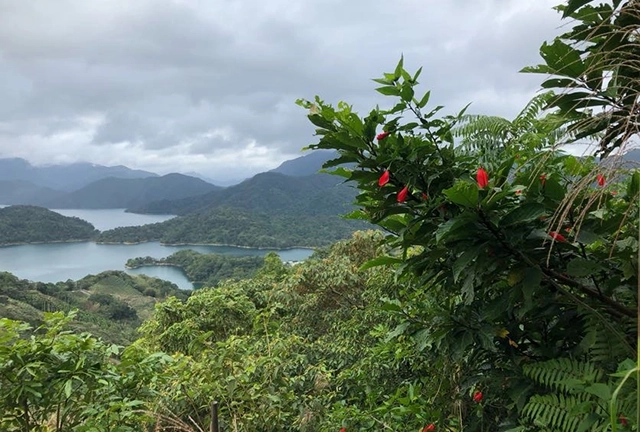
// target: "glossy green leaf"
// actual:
[[526, 212], [463, 193]]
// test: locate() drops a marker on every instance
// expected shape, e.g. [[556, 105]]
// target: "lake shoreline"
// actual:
[[212, 244], [161, 243], [46, 242]]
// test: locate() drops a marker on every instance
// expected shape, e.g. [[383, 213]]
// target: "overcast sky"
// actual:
[[210, 85]]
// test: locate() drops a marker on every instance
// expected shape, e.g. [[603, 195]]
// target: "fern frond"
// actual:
[[563, 375], [471, 126], [557, 412], [606, 346], [533, 109]]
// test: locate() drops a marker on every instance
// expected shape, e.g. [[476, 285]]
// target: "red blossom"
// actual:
[[482, 178], [478, 396], [556, 236], [402, 195], [519, 192], [384, 178], [429, 428], [543, 179], [343, 429], [623, 420], [601, 180], [424, 196], [382, 135]]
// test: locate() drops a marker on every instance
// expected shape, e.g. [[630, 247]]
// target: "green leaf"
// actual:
[[600, 390], [463, 261], [68, 387], [425, 100], [580, 267], [320, 121], [531, 281], [463, 193], [389, 90], [399, 69], [562, 59], [634, 185], [558, 83], [380, 261], [573, 5], [524, 213], [406, 93], [458, 227]]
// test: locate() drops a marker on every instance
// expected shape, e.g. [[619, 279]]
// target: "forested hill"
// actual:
[[269, 193], [122, 193], [30, 224], [111, 304], [232, 226]]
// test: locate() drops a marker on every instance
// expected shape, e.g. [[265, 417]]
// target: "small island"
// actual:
[[204, 269], [21, 224]]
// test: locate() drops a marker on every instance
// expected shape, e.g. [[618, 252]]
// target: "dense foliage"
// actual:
[[230, 226], [29, 224], [502, 297], [205, 269], [111, 305]]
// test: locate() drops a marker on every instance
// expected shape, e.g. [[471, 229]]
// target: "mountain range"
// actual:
[[65, 178]]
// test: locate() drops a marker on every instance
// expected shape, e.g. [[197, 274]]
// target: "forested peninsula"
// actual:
[[29, 224], [235, 227]]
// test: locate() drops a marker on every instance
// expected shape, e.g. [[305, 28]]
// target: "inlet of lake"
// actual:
[[56, 262]]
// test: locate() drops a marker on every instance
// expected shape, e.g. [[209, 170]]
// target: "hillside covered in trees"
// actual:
[[111, 305], [30, 224], [232, 226], [501, 297]]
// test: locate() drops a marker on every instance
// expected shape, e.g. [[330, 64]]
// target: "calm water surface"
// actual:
[[61, 261]]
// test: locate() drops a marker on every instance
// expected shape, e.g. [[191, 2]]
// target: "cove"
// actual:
[[55, 262]]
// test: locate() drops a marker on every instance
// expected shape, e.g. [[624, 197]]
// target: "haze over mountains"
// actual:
[[89, 186], [293, 205]]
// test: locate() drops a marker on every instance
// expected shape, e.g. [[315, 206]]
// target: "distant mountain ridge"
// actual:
[[24, 192], [269, 193], [65, 178], [114, 192], [305, 165]]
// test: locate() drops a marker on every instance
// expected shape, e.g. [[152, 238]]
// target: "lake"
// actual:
[[56, 262]]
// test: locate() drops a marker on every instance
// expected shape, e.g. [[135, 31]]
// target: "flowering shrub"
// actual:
[[485, 252]]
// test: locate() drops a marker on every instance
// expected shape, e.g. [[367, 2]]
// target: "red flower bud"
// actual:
[[543, 179], [518, 192], [382, 135], [478, 396], [384, 178], [429, 428], [343, 429], [424, 196], [601, 180], [623, 420], [482, 178], [402, 195], [556, 236]]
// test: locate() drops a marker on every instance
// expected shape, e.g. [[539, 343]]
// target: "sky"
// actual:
[[209, 86]]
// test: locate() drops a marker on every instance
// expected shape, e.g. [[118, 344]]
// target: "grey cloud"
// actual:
[[170, 84]]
